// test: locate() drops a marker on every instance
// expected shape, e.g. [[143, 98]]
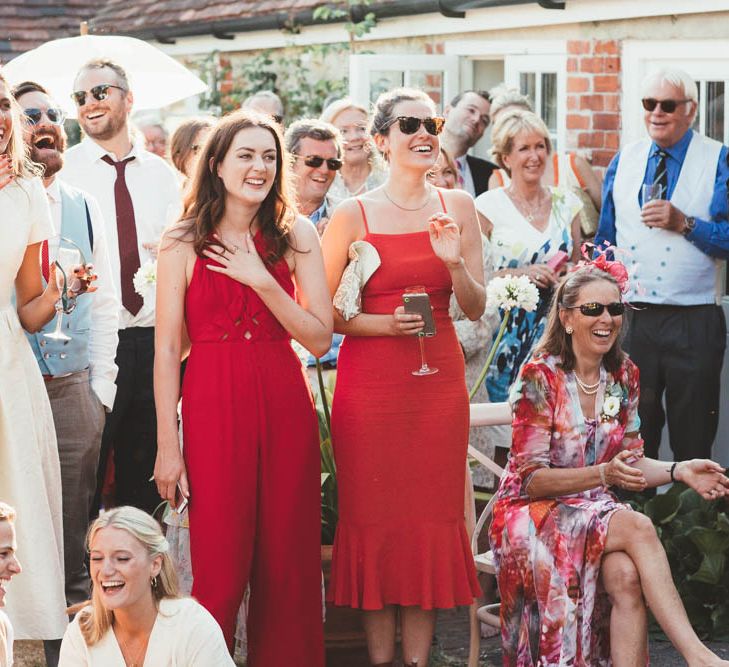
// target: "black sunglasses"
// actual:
[[594, 309], [54, 115], [100, 93], [316, 161], [669, 106], [277, 118], [411, 124]]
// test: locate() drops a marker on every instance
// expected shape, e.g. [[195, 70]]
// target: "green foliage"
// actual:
[[695, 534], [329, 512]]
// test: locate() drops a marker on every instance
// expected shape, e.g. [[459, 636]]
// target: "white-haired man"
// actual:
[[674, 242]]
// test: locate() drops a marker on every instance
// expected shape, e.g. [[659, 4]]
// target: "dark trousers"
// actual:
[[679, 351], [131, 427]]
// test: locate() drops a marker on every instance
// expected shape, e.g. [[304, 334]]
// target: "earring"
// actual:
[[153, 581], [569, 331]]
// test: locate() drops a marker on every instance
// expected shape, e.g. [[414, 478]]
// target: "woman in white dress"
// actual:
[[532, 225], [136, 617], [30, 475]]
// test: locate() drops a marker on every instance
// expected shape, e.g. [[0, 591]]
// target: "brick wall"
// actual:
[[593, 99]]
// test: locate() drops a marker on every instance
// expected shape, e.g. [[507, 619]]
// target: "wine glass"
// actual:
[[416, 300], [67, 257], [651, 191]]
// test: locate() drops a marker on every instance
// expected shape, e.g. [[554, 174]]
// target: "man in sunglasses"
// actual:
[[139, 196], [467, 117], [80, 373], [665, 205], [316, 149]]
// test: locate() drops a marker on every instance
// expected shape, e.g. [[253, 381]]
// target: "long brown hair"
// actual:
[[182, 141], [205, 202], [556, 341]]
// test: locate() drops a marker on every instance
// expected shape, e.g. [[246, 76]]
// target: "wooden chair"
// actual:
[[484, 414]]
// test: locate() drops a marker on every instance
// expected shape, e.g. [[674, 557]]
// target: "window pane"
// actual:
[[549, 100], [528, 86], [696, 127], [714, 111], [381, 81], [431, 82]]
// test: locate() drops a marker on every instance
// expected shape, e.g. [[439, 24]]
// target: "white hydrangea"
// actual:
[[510, 292], [145, 281]]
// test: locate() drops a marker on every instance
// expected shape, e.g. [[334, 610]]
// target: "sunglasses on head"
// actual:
[[411, 124], [277, 118], [669, 106], [594, 309], [316, 161], [54, 115], [100, 93]]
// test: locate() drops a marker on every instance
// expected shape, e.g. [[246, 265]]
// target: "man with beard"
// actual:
[[139, 196], [467, 117], [79, 373]]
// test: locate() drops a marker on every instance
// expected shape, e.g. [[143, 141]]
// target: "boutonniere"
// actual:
[[145, 281], [611, 403]]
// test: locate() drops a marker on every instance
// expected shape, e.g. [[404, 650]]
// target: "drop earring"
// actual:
[[569, 331]]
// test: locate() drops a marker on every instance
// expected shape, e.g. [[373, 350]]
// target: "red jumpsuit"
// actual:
[[251, 449]]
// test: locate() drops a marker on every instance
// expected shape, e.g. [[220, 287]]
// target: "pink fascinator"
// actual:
[[596, 257]]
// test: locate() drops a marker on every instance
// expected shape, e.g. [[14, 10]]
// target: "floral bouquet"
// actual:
[[145, 281], [506, 293]]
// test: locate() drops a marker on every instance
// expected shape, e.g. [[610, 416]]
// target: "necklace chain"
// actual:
[[531, 210], [589, 389], [403, 208]]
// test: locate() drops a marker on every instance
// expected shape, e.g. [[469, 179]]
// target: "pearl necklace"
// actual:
[[589, 389]]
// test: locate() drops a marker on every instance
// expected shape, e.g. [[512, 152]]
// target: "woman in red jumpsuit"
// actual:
[[245, 274]]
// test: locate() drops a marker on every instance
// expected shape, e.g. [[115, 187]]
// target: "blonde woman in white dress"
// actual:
[[136, 617], [30, 474]]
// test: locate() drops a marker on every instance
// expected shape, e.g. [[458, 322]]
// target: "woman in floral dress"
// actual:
[[531, 224], [576, 567]]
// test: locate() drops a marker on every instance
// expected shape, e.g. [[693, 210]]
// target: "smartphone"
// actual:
[[419, 302], [182, 503], [558, 261]]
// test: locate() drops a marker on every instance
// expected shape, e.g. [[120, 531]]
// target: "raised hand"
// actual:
[[6, 174], [445, 239], [703, 476], [242, 264]]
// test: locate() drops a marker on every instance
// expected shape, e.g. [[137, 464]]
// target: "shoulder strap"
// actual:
[[89, 226], [442, 201], [555, 167], [364, 215], [573, 167]]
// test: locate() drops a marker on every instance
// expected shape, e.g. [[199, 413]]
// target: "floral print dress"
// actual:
[[554, 611], [516, 243]]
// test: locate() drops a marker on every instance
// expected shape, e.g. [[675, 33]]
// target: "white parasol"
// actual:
[[156, 79]]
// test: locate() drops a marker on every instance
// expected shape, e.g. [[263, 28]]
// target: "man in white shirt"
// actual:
[[467, 117], [139, 195], [79, 373]]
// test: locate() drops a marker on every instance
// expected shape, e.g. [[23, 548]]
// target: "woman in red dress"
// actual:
[[400, 440], [245, 274]]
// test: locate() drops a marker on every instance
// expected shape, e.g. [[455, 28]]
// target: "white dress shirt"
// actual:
[[103, 334], [465, 170], [155, 193]]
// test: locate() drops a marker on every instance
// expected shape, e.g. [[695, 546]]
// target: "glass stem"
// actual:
[[59, 321], [423, 362]]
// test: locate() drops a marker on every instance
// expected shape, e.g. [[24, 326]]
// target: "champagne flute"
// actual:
[[416, 300], [68, 257]]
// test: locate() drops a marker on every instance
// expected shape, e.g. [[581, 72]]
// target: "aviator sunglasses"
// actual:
[[100, 93], [594, 309], [411, 124], [316, 161], [669, 106], [54, 115]]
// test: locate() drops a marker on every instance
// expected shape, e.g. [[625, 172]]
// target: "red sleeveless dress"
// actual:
[[400, 447], [251, 448]]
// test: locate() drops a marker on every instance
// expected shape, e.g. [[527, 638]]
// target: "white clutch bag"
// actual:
[[364, 260]]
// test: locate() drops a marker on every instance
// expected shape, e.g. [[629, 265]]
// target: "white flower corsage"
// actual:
[[145, 282], [611, 404]]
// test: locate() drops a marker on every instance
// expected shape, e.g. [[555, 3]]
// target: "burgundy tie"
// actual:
[[127, 232]]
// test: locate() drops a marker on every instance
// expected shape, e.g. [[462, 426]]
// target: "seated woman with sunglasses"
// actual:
[[576, 568], [400, 439]]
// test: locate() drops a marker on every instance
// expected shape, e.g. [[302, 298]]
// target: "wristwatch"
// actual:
[[689, 224]]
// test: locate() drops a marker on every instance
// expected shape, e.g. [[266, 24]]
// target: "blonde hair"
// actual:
[[7, 513], [94, 619], [508, 126], [503, 96], [17, 150], [335, 108]]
